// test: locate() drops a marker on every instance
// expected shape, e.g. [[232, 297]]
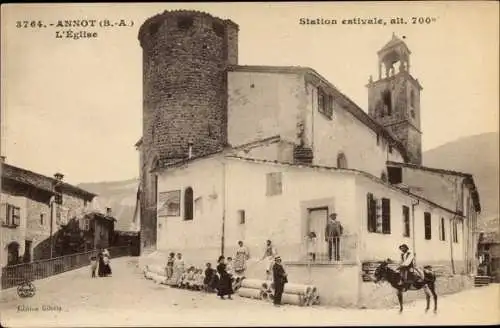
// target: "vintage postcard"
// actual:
[[250, 164]]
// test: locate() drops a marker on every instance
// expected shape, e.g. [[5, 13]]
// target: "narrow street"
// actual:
[[127, 299]]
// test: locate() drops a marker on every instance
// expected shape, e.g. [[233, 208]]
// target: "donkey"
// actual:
[[393, 277]]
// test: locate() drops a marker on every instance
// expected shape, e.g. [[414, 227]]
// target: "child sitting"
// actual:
[[196, 280], [201, 279], [190, 278], [183, 279]]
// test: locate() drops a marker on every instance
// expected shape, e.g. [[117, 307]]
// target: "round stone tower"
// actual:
[[185, 57]]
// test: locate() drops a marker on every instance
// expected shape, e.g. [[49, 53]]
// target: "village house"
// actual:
[[251, 153], [36, 213], [489, 255]]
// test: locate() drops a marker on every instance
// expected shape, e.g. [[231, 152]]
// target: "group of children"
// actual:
[[192, 278], [198, 279]]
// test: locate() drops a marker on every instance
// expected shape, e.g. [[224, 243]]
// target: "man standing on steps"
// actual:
[[333, 231]]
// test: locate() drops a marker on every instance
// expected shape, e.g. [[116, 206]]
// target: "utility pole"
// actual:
[[51, 205]]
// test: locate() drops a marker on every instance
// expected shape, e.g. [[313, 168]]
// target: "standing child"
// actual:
[[93, 265], [209, 282], [170, 265], [230, 267], [312, 245]]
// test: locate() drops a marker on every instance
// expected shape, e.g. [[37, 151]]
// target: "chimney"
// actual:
[[190, 149], [108, 211], [59, 176]]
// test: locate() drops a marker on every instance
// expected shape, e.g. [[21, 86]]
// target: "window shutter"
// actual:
[[17, 217], [371, 218], [406, 221], [386, 215], [3, 213]]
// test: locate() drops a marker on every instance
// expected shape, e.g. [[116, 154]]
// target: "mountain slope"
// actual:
[[478, 155], [119, 195]]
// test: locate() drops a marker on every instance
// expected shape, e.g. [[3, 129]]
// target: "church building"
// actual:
[[232, 152]]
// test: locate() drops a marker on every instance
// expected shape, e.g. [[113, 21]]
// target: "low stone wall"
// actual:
[[337, 283], [382, 295]]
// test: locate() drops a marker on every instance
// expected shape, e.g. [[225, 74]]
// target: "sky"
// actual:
[[75, 106]]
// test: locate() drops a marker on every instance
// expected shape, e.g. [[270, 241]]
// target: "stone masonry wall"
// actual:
[[185, 57]]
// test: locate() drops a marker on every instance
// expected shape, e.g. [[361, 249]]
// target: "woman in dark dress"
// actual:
[[101, 268], [224, 286]]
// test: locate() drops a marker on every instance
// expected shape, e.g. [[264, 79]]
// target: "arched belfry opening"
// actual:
[[394, 98], [393, 53]]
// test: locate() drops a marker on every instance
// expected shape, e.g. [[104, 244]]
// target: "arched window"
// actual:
[[341, 161], [13, 253], [188, 203], [386, 98]]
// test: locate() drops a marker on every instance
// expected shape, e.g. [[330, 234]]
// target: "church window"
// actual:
[[442, 233], [274, 183], [188, 203], [386, 98], [325, 103], [341, 161], [241, 216], [395, 174], [427, 226]]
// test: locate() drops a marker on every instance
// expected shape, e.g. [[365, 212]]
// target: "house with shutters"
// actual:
[[34, 209], [283, 149]]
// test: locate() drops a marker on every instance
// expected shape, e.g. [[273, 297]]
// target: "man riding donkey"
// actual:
[[409, 271]]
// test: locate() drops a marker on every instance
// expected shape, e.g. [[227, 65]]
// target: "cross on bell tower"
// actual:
[[394, 99]]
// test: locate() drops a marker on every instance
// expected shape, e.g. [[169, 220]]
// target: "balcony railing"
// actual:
[[338, 250], [13, 275]]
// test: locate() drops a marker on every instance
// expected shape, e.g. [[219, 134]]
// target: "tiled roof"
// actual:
[[331, 168], [395, 41], [40, 181], [467, 176], [171, 162], [27, 177]]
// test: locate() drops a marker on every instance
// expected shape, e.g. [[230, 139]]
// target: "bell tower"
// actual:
[[394, 98]]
